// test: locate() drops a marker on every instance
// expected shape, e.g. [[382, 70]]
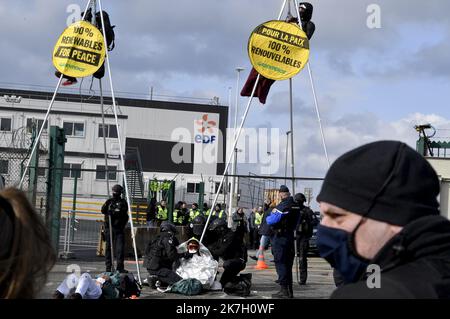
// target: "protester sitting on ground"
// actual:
[[26, 253], [380, 209], [197, 262]]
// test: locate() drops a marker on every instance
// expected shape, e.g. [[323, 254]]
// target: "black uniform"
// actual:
[[304, 233], [283, 220], [160, 256], [229, 246], [117, 208], [414, 264]]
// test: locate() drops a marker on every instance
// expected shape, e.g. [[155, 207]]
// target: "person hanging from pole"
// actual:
[[110, 40], [115, 208], [264, 84]]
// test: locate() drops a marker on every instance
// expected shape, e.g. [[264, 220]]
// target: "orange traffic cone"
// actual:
[[261, 264]]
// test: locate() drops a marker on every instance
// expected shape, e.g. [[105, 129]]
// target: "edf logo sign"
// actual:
[[205, 126]]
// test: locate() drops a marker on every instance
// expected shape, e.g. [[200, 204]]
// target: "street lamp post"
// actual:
[[233, 197], [287, 152]]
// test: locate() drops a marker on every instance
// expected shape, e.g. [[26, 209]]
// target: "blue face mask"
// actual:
[[334, 247]]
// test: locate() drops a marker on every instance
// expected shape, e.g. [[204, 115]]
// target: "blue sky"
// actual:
[[372, 83]]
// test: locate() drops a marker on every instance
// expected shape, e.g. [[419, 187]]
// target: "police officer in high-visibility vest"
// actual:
[[258, 221], [218, 212], [193, 212], [161, 211], [180, 214]]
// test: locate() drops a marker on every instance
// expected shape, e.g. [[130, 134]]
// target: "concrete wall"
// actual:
[[442, 168]]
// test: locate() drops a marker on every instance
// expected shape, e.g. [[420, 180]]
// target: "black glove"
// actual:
[[187, 255]]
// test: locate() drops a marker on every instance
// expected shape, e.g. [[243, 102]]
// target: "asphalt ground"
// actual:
[[319, 285]]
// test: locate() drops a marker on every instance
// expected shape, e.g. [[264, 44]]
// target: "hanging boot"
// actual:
[[282, 294]]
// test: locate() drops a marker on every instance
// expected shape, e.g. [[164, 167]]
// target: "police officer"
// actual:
[[230, 247], [115, 209], [218, 212], [196, 227], [304, 232], [257, 222], [180, 214], [193, 212], [151, 212], [161, 212], [160, 255], [205, 209], [283, 220], [240, 224]]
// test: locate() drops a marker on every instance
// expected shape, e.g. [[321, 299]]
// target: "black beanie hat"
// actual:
[[386, 181]]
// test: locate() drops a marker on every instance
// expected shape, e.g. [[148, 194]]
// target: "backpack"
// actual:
[[306, 225], [153, 254], [128, 286], [109, 29], [240, 286], [188, 287]]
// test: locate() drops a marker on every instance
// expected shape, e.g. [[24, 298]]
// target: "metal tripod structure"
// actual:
[[92, 4], [247, 109]]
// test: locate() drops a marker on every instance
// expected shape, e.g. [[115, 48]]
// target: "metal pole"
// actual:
[[237, 138], [291, 109], [74, 207], [313, 88], [111, 241], [233, 163], [286, 156], [133, 235], [36, 141]]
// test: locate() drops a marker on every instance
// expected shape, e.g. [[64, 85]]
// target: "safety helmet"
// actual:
[[117, 190], [218, 224], [167, 226], [300, 198]]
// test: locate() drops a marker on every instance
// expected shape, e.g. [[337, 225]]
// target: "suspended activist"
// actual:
[[264, 84], [110, 41]]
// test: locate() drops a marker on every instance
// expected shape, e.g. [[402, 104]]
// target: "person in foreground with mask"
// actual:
[[380, 208]]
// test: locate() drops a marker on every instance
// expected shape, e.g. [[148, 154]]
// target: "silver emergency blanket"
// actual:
[[201, 266]]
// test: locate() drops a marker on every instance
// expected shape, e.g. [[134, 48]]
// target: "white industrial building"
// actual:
[[169, 140]]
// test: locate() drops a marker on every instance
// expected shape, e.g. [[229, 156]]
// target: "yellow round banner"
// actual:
[[80, 50], [278, 50]]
